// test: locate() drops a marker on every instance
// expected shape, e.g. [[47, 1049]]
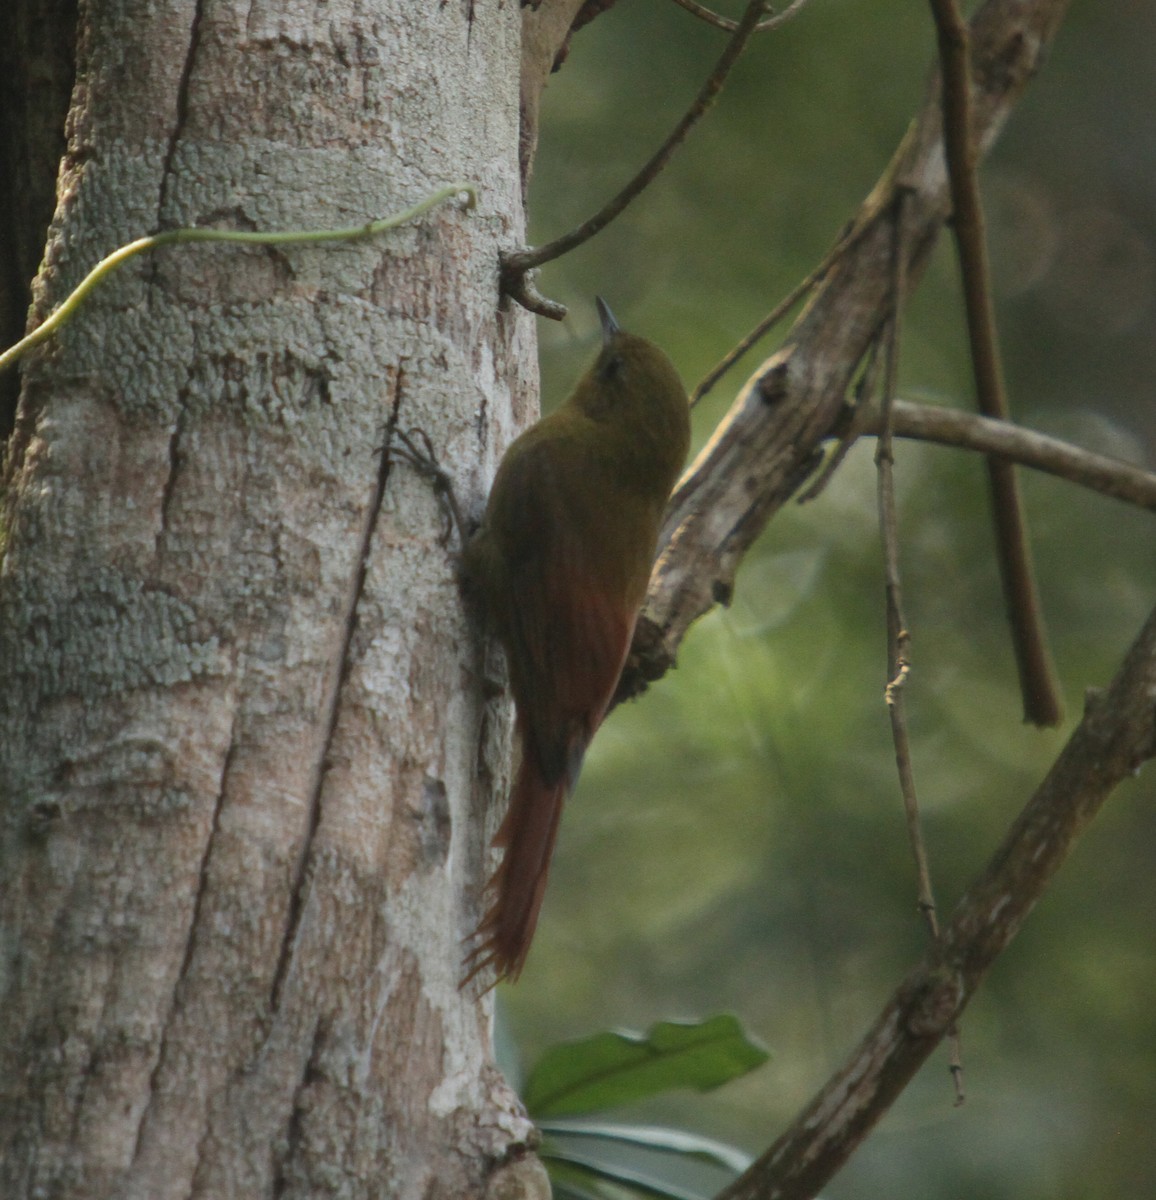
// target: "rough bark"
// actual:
[[245, 763]]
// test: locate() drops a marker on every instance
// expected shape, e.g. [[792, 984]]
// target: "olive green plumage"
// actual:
[[559, 568]]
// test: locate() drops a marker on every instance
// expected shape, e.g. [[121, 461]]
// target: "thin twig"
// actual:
[[772, 318], [1042, 705], [176, 237], [759, 455], [898, 635], [517, 263], [780, 310], [968, 431], [720, 22], [1116, 736]]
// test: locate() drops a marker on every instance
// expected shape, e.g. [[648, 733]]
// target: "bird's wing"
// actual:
[[567, 623]]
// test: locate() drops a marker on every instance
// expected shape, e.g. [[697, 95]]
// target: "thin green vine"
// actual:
[[176, 237]]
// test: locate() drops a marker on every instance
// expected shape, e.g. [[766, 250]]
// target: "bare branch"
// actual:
[[898, 632], [589, 10], [1042, 705], [1116, 736], [587, 13], [770, 441], [967, 431], [784, 306], [719, 22], [517, 263], [523, 287]]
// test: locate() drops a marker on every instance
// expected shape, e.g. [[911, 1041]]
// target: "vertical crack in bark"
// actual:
[[301, 873], [169, 486], [94, 1045], [293, 1130], [191, 940], [182, 104]]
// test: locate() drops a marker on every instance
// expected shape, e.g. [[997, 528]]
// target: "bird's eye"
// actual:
[[613, 368]]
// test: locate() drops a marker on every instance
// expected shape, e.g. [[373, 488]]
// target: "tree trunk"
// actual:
[[246, 770]]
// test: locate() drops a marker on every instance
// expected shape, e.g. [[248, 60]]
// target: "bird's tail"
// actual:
[[527, 834]]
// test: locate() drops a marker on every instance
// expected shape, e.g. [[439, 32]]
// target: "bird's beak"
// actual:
[[609, 324]]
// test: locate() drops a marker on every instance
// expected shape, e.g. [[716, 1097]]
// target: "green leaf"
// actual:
[[567, 1190], [608, 1069], [639, 1181], [658, 1138]]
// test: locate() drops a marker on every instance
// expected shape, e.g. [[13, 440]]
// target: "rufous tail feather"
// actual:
[[527, 834]]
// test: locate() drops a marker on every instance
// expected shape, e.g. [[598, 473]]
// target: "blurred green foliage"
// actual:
[[737, 840]]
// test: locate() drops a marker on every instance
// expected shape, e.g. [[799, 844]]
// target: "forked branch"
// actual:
[[774, 434]]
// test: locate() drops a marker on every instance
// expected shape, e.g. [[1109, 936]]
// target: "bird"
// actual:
[[558, 568]]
